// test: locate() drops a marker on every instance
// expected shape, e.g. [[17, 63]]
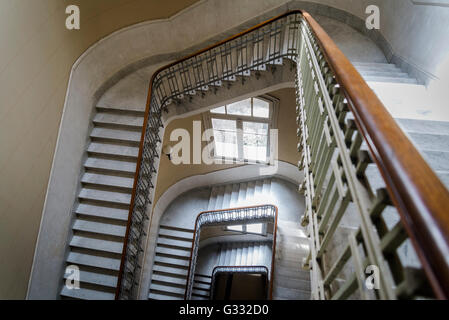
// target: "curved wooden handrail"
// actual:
[[420, 197], [241, 208]]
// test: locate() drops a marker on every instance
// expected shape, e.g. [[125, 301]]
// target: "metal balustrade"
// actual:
[[344, 132], [237, 269], [263, 213], [337, 185]]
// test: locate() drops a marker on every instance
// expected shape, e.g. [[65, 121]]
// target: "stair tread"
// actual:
[[171, 261], [101, 279], [103, 212], [173, 252], [186, 244], [93, 261], [107, 180], [168, 279], [180, 272], [105, 196], [116, 134], [167, 289], [138, 110], [188, 236], [111, 165], [96, 244], [158, 296], [87, 294], [118, 119], [99, 228], [113, 150]]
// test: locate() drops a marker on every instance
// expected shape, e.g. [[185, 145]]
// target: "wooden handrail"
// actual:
[[420, 197], [234, 209]]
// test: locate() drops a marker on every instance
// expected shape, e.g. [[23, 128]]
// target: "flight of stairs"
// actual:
[[291, 282], [383, 72], [432, 140], [101, 211], [171, 263], [240, 194]]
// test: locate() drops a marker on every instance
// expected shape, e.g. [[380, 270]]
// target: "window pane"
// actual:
[[224, 125], [225, 137], [255, 147], [240, 108], [255, 127], [236, 228], [261, 108], [254, 228], [221, 110]]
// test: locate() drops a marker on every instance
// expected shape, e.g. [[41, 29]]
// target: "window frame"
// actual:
[[264, 231], [239, 119]]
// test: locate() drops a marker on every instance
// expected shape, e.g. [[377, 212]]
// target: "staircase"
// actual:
[[432, 140], [383, 72], [291, 282], [171, 263], [240, 194], [101, 210]]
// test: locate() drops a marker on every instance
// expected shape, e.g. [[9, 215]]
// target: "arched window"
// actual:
[[241, 130]]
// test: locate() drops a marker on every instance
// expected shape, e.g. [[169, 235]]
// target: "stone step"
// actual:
[[175, 234], [386, 74], [117, 120], [86, 294], [130, 110], [424, 126], [105, 196], [167, 290], [96, 244], [168, 280], [170, 252], [99, 228], [165, 270], [290, 294], [93, 261], [292, 273], [105, 180], [292, 283], [438, 160], [177, 244], [109, 165], [158, 296], [375, 66], [89, 210], [171, 262], [427, 141], [390, 79], [116, 135], [177, 228], [112, 150], [100, 279]]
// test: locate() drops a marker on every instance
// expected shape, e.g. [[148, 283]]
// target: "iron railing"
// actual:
[[251, 51], [262, 213], [239, 270]]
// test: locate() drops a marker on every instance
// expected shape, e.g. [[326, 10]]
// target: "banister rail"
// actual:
[[262, 213], [419, 196]]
